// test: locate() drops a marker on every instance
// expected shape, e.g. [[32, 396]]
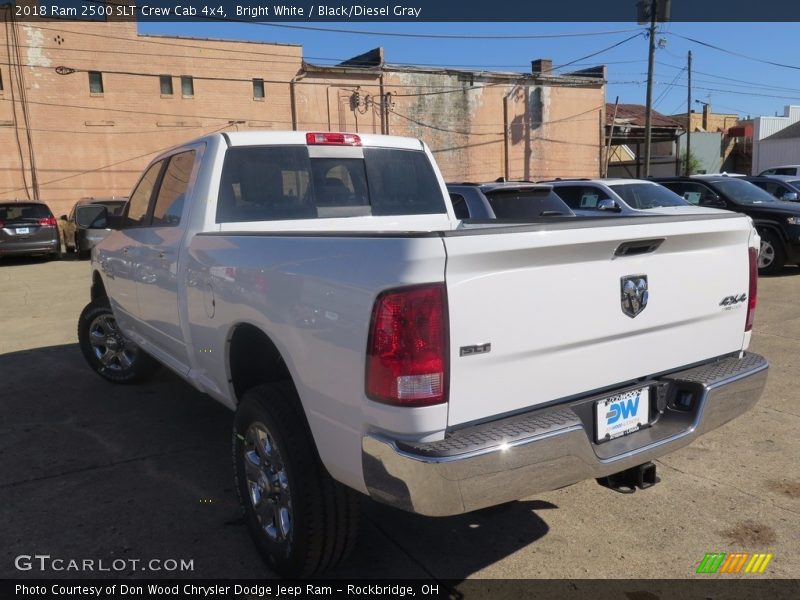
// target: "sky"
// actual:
[[730, 83]]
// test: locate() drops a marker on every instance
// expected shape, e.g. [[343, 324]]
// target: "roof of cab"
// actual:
[[279, 138]]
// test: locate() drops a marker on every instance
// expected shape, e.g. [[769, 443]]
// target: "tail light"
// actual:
[[48, 222], [333, 139], [752, 292], [407, 356]]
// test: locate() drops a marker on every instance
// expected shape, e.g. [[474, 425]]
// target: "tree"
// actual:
[[694, 164]]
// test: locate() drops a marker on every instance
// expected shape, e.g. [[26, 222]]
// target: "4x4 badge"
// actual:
[[634, 294]]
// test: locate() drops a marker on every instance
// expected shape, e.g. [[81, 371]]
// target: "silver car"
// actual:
[[28, 228]]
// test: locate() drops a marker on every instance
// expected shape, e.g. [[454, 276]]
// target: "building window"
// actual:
[[166, 85], [95, 82], [258, 89], [187, 86]]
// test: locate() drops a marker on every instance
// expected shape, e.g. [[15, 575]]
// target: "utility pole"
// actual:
[[689, 113], [649, 102]]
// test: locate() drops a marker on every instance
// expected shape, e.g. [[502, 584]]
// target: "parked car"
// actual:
[[793, 170], [370, 342], [627, 197], [81, 232], [506, 200], [28, 228], [778, 223], [783, 187]]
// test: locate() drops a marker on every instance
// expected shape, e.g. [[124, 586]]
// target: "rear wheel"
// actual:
[[771, 256], [302, 521], [107, 351]]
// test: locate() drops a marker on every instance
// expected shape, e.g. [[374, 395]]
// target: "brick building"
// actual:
[[84, 107]]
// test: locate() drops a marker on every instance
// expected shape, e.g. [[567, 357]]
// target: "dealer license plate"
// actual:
[[21, 230], [622, 414]]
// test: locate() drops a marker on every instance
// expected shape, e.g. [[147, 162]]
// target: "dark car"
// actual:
[[783, 187], [28, 228], [506, 200], [778, 223], [81, 232]]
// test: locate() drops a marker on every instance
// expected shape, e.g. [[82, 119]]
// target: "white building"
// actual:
[[776, 140]]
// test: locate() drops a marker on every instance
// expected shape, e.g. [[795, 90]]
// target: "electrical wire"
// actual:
[[114, 164], [737, 54]]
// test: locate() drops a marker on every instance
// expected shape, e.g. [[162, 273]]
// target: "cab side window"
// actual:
[[172, 192], [139, 203]]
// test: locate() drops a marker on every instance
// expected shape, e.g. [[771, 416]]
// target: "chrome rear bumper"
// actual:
[[553, 447]]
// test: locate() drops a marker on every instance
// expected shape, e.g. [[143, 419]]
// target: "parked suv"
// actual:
[[506, 200], [778, 223], [28, 228], [793, 170], [783, 187], [81, 233], [626, 197]]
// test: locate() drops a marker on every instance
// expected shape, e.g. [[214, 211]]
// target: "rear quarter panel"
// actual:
[[313, 296]]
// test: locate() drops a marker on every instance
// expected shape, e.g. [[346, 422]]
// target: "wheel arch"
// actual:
[[774, 228], [252, 358], [98, 289]]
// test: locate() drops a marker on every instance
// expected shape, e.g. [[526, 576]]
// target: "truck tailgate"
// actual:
[[549, 301]]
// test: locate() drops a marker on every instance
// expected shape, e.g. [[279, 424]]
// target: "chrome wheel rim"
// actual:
[[109, 345], [267, 483], [766, 255]]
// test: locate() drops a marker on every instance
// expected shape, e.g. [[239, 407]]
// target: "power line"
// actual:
[[294, 61], [114, 164], [738, 54], [741, 82], [436, 36], [668, 89]]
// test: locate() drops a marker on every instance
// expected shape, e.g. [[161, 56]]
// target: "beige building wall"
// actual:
[[480, 126], [88, 144]]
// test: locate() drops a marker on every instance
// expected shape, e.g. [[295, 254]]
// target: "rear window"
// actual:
[[519, 204], [647, 195], [272, 183], [22, 211]]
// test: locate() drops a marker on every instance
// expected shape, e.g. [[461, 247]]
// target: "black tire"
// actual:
[[772, 256], [57, 254], [105, 348], [83, 254], [322, 514]]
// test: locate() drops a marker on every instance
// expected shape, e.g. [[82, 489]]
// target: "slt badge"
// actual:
[[634, 294]]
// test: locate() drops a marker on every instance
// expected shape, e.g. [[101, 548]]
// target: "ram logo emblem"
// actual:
[[634, 294]]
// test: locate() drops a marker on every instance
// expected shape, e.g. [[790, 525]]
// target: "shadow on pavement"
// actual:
[[93, 470]]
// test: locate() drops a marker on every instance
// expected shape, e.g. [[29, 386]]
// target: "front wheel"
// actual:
[[301, 520], [771, 256], [107, 351]]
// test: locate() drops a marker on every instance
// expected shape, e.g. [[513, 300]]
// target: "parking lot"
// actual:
[[89, 470]]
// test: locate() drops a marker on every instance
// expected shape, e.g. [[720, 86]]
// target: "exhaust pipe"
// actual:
[[641, 476]]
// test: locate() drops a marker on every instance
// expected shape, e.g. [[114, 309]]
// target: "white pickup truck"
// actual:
[[320, 286]]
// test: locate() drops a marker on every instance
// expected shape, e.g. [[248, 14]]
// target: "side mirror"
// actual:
[[608, 204], [790, 197], [715, 201]]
